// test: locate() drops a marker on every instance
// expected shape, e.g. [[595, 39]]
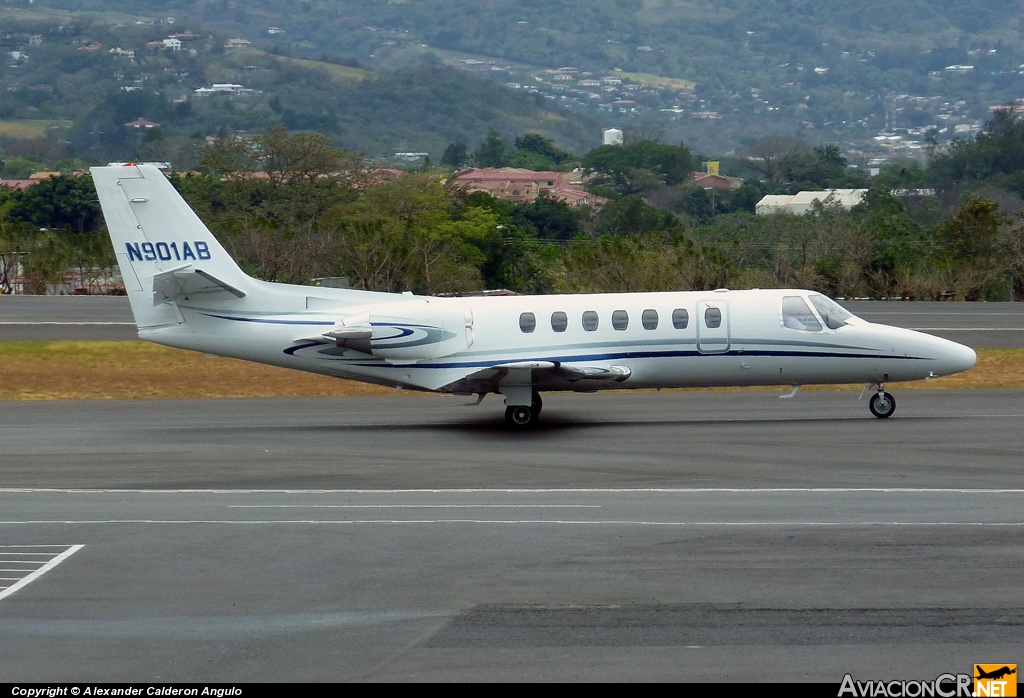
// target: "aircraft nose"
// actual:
[[954, 358]]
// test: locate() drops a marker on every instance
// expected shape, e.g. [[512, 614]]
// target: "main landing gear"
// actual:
[[524, 416], [882, 404]]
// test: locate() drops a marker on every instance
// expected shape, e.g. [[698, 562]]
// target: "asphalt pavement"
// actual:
[[702, 536]]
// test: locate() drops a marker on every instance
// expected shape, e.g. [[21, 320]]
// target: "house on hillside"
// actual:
[[523, 186], [142, 123], [17, 184], [714, 181], [224, 88]]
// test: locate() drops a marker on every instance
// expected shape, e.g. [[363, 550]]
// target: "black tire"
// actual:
[[521, 416], [882, 405]]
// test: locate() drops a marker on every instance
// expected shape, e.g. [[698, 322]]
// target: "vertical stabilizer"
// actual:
[[163, 249]]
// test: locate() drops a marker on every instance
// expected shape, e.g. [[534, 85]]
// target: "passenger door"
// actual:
[[712, 327]]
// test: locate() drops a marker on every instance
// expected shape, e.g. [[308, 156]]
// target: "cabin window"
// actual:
[[559, 321], [590, 320], [527, 322], [713, 318], [834, 315], [620, 319], [649, 319], [797, 315], [680, 318]]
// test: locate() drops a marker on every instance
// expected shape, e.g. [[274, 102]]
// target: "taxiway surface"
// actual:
[[651, 536]]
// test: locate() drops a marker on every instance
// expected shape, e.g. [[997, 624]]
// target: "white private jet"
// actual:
[[187, 292]]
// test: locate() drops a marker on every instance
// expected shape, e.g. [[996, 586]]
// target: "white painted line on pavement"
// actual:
[[558, 522], [415, 506], [36, 574], [522, 490]]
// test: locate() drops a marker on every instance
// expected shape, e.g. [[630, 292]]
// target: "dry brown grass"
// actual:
[[138, 370], [134, 370]]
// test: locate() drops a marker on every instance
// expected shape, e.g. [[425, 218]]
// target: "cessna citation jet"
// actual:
[[187, 292]]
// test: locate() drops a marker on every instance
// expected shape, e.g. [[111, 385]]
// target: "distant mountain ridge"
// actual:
[[829, 71]]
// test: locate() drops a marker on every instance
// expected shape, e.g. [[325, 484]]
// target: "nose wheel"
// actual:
[[882, 404]]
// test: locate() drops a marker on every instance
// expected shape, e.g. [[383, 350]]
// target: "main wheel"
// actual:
[[882, 405], [521, 416]]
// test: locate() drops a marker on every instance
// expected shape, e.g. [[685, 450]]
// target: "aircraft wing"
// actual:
[[544, 375]]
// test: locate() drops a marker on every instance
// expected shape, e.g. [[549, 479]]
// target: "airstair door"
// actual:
[[713, 327]]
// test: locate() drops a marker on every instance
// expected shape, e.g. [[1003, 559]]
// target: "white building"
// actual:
[[804, 201], [224, 88], [173, 44], [612, 136]]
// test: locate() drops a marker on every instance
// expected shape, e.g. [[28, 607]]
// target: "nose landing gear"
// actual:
[[882, 404]]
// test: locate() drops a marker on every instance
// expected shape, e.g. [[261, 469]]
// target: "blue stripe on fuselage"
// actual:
[[635, 355]]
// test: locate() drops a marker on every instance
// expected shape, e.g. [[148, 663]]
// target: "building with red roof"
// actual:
[[142, 123]]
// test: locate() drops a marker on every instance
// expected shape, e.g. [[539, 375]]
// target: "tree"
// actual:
[[637, 263], [64, 201], [307, 156], [632, 215], [493, 152], [970, 234], [551, 219], [284, 158], [455, 155], [11, 245], [768, 156], [824, 167], [535, 152], [898, 242], [400, 235], [637, 167]]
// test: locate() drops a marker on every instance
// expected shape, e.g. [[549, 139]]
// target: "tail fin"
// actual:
[[163, 249]]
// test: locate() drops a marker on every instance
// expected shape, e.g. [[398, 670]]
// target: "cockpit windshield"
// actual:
[[797, 315], [834, 315]]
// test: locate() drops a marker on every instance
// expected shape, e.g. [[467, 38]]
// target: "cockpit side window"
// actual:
[[834, 315], [797, 315]]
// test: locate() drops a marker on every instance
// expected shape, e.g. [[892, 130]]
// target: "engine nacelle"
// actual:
[[425, 328]]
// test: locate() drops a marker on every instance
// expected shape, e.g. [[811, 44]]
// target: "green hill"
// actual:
[[715, 73], [79, 86]]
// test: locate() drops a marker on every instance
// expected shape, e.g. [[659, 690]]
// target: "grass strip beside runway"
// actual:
[[137, 370]]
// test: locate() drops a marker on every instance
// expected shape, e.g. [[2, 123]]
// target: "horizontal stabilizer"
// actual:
[[184, 281]]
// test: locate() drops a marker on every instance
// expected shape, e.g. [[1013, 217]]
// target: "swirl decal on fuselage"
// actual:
[[414, 336], [387, 336]]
